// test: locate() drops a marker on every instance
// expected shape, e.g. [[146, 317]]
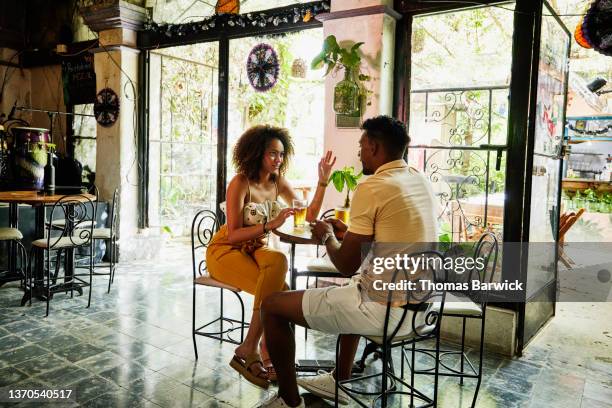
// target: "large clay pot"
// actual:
[[30, 157]]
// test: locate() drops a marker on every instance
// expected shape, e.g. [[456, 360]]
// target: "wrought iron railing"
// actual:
[[456, 132]]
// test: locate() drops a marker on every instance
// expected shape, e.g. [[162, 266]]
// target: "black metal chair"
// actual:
[[471, 305], [320, 266], [204, 226], [427, 307], [109, 235], [76, 210], [12, 236], [60, 223]]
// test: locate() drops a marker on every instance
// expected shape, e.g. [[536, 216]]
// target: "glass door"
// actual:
[[551, 91], [183, 133], [458, 120]]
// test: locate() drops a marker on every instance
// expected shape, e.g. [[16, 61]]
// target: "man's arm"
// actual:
[[346, 256]]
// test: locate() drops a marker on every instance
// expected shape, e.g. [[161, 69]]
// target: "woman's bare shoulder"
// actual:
[[238, 181], [238, 185]]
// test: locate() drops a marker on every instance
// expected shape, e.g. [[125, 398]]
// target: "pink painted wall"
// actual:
[[377, 33]]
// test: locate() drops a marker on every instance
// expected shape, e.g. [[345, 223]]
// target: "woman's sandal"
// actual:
[[267, 364], [243, 366]]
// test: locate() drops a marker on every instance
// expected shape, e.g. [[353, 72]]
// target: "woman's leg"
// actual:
[[241, 271], [273, 271]]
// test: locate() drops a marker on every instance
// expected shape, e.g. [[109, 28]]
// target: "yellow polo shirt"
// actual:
[[395, 204]]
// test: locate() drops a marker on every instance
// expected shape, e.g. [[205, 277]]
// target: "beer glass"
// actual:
[[299, 215], [342, 213]]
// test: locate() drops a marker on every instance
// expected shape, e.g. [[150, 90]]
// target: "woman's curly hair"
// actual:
[[251, 146]]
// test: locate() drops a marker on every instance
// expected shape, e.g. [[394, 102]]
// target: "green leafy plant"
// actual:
[[590, 195], [333, 55], [345, 177], [606, 202], [592, 201]]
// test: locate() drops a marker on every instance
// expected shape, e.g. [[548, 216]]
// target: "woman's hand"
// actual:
[[325, 166], [280, 218]]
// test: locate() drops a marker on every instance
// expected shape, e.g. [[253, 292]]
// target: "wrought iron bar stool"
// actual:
[[469, 306], [204, 226], [427, 308], [109, 235], [76, 210], [14, 236]]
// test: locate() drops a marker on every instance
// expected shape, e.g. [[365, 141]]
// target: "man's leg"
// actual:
[[348, 349], [278, 310]]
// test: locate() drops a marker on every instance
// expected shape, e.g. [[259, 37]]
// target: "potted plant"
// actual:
[[579, 200], [592, 204], [606, 204], [341, 179], [347, 93], [566, 201]]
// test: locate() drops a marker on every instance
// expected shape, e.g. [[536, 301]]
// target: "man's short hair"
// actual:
[[390, 132]]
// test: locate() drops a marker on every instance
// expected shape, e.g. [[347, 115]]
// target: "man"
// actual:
[[394, 205]]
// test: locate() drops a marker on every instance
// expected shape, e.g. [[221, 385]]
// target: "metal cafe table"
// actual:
[[39, 202], [292, 235]]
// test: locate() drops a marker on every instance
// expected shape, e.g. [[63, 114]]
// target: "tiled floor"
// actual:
[[133, 348]]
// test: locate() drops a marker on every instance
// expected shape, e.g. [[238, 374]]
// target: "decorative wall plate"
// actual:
[[106, 107], [262, 67]]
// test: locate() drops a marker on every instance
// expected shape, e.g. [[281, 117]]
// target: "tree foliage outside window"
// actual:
[[183, 146]]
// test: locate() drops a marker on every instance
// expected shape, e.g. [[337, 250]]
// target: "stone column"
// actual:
[[116, 66], [373, 23]]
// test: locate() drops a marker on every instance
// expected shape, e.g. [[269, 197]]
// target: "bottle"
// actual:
[[49, 185]]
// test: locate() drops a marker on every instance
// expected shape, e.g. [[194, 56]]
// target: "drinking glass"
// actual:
[[342, 213], [299, 215]]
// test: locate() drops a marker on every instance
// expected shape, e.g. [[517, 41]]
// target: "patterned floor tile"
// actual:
[[133, 347]]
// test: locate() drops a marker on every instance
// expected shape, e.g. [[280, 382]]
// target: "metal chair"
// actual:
[[109, 235], [14, 236], [205, 225], [320, 266], [60, 223], [428, 307], [76, 210], [470, 306]]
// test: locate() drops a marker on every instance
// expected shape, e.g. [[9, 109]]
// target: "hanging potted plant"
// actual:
[[341, 179], [347, 93]]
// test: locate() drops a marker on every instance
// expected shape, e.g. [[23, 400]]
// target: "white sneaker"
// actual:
[[323, 385], [274, 401]]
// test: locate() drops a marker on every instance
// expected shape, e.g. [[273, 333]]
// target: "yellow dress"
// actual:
[[251, 266]]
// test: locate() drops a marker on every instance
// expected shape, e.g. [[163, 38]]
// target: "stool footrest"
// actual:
[[223, 335]]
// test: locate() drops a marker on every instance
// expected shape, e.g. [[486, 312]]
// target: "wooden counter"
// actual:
[[573, 184]]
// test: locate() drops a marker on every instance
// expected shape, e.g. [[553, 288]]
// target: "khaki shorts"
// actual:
[[340, 310]]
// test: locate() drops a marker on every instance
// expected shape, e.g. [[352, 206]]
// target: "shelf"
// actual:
[[583, 184], [587, 153], [589, 139]]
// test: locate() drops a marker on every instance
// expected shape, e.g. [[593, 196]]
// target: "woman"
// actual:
[[238, 254]]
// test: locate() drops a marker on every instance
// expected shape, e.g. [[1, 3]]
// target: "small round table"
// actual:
[[290, 234]]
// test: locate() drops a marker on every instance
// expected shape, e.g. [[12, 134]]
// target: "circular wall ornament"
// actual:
[[262, 67], [106, 107]]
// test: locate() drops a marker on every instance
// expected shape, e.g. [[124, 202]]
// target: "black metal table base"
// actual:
[[9, 276], [40, 293]]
